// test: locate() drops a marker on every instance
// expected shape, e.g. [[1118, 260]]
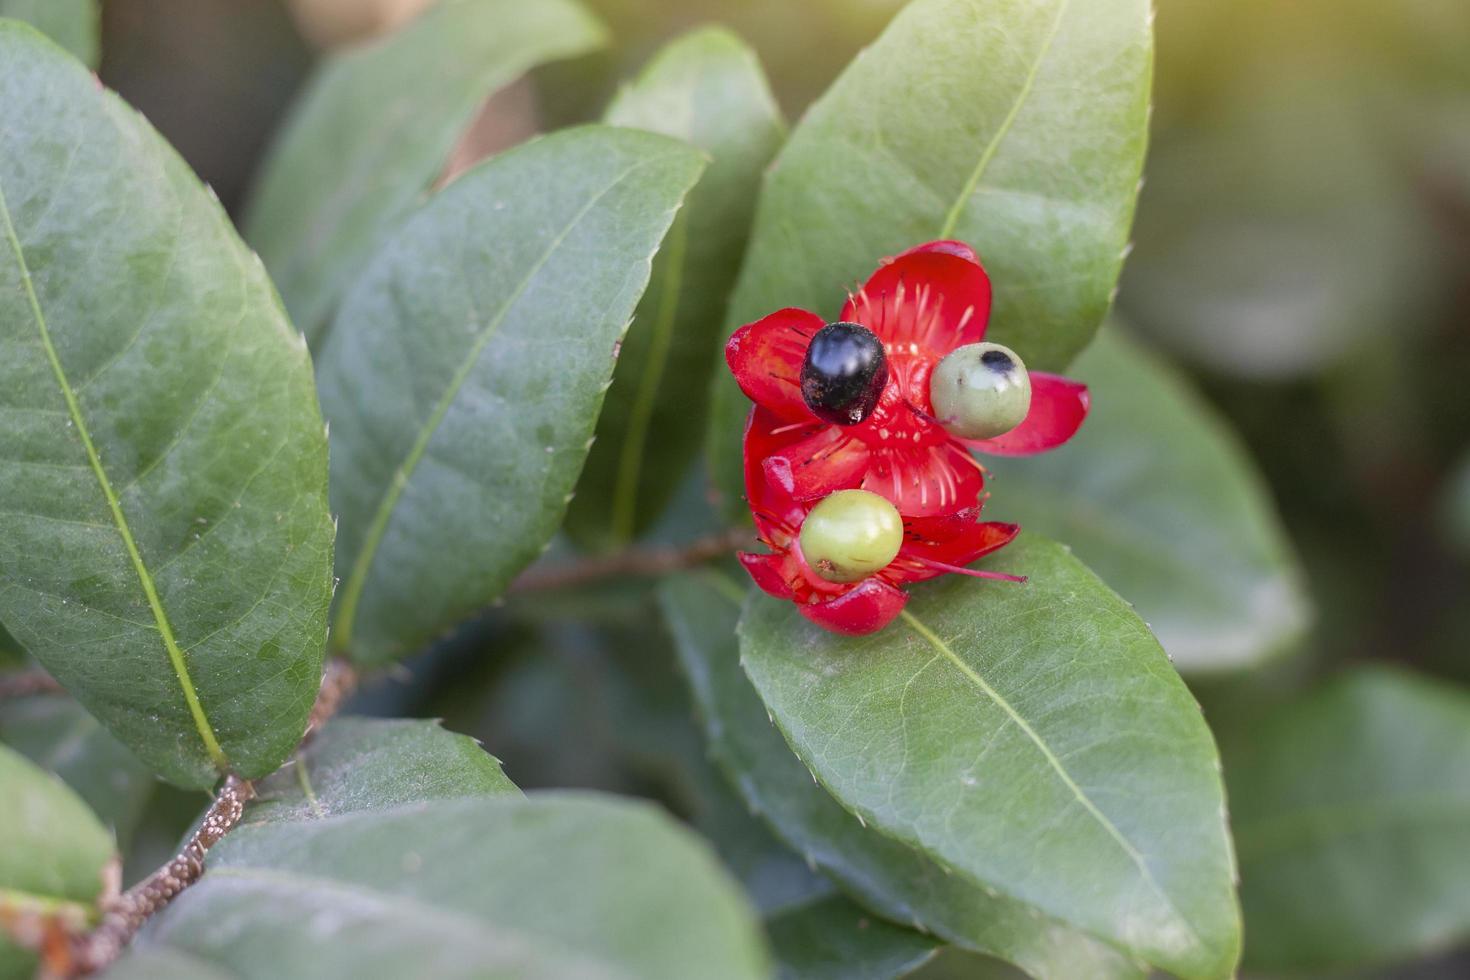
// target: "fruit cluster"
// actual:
[[858, 465]]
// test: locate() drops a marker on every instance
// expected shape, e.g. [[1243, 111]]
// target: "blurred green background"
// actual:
[[1302, 249]]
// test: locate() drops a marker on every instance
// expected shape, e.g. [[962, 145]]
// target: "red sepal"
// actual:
[[935, 299], [1058, 408], [925, 482], [866, 609], [766, 357]]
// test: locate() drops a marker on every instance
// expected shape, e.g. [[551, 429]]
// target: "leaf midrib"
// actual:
[[145, 578], [951, 220], [943, 648], [357, 579]]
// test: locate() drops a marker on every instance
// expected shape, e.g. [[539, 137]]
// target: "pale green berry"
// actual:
[[980, 391], [850, 535]]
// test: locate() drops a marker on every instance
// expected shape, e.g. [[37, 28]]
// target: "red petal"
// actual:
[[768, 574], [820, 463], [789, 462], [767, 486], [947, 246], [866, 609], [936, 299], [811, 582], [957, 540], [924, 481], [765, 357], [1058, 406]]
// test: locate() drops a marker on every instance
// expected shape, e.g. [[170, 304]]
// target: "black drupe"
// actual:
[[843, 373]]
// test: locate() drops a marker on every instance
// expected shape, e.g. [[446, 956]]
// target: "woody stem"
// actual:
[[125, 914]]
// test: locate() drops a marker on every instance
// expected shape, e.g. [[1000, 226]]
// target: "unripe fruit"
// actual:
[[843, 373], [980, 391], [850, 535]]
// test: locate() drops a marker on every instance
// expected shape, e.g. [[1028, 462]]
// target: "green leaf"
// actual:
[[554, 886], [833, 939], [1018, 126], [815, 931], [165, 545], [165, 964], [1031, 738], [1352, 816], [1278, 235], [357, 764], [707, 89], [607, 708], [1161, 500], [889, 877], [467, 366], [953, 963], [58, 735], [774, 876], [54, 856], [74, 24], [11, 655], [375, 127]]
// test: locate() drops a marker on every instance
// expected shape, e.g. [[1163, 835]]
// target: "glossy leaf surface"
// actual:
[[54, 854], [1161, 500], [466, 369], [1351, 811], [358, 764], [707, 89], [554, 886], [375, 127], [165, 546], [58, 735], [1033, 739], [885, 875]]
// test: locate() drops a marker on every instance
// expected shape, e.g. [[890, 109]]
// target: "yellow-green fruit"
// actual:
[[980, 391], [850, 535]]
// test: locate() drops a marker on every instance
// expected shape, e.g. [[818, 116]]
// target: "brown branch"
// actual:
[[123, 915], [640, 562], [27, 683], [339, 680]]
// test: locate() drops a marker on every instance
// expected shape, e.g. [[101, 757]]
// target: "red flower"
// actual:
[[932, 545], [921, 305]]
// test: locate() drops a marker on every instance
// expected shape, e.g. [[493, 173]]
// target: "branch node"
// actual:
[[123, 915]]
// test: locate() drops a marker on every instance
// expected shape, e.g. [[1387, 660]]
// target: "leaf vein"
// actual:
[[934, 640], [953, 217], [357, 579], [145, 579]]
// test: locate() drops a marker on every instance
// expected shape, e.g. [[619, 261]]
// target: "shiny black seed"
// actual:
[[998, 361], [844, 373]]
